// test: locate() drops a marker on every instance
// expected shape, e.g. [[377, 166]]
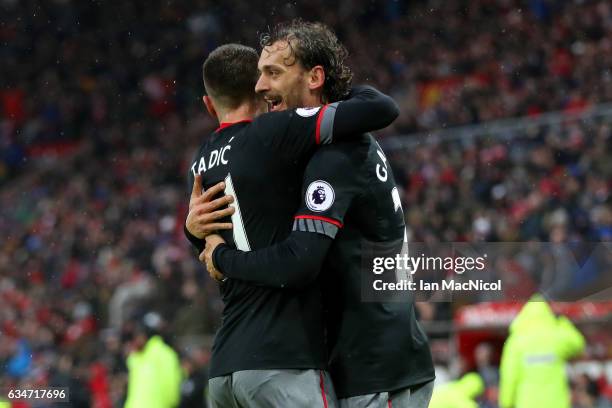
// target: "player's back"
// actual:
[[262, 163], [262, 328], [375, 346]]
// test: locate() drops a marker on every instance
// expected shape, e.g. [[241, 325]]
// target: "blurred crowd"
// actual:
[[547, 183], [70, 68], [90, 243], [100, 112]]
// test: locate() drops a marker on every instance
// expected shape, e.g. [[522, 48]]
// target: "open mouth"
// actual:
[[274, 103]]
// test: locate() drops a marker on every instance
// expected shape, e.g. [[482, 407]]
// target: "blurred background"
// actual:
[[504, 135]]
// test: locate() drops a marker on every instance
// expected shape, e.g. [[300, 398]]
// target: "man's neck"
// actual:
[[313, 100], [241, 113]]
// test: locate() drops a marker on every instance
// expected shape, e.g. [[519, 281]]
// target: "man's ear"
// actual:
[[209, 106], [316, 78]]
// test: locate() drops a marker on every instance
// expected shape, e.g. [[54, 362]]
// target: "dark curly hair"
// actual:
[[315, 44]]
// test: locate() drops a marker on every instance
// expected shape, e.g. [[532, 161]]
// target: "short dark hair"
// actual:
[[230, 74], [315, 45]]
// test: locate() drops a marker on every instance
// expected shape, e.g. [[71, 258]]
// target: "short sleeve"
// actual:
[[330, 185]]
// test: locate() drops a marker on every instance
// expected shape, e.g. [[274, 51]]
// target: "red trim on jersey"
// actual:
[[224, 125], [317, 217], [322, 384], [318, 129], [389, 403]]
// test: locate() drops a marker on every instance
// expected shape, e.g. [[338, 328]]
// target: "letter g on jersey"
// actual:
[[319, 196]]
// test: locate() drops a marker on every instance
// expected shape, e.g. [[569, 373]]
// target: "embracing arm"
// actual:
[[293, 263], [297, 260], [366, 109], [296, 133]]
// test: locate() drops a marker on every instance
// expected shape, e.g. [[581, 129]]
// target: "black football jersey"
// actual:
[[349, 194], [262, 163]]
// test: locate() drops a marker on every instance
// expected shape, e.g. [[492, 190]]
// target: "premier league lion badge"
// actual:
[[319, 196]]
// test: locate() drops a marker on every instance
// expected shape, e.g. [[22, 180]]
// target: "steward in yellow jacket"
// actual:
[[458, 394], [154, 376], [532, 372]]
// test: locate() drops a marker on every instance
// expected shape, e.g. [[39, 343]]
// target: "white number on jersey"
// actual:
[[240, 236]]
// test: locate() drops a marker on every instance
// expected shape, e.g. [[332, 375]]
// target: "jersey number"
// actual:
[[240, 236]]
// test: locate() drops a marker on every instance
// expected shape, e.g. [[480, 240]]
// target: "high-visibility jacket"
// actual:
[[154, 376], [532, 372], [458, 394]]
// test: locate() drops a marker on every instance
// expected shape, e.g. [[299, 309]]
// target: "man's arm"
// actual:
[[572, 341], [296, 261], [509, 374], [295, 134], [293, 263], [366, 109]]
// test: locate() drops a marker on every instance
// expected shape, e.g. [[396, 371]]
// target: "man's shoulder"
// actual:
[[270, 125], [275, 118], [271, 118], [350, 152]]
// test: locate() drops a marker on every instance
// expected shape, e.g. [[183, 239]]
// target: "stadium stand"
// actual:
[[101, 111]]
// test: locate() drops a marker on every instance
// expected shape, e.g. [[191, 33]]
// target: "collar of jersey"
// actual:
[[224, 125]]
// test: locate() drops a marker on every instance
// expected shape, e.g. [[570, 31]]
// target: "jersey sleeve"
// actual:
[[296, 133], [292, 263], [331, 184]]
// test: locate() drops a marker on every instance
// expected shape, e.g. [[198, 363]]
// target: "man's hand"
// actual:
[[203, 212], [212, 242]]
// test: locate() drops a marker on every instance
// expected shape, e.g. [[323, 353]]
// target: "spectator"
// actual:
[[195, 367], [458, 394], [532, 372], [154, 368], [587, 394], [489, 372]]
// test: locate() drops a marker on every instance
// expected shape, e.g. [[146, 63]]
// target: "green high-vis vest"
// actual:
[[532, 372], [458, 394], [154, 376]]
